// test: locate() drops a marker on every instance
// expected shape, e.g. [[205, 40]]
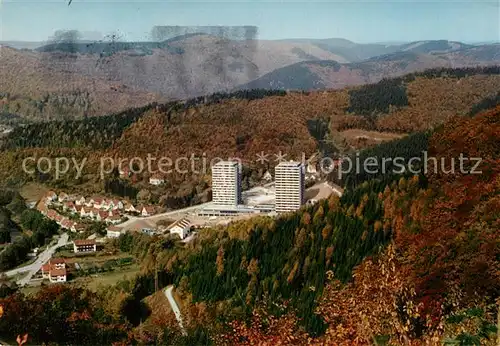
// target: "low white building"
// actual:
[[267, 176], [84, 245], [181, 227], [55, 270], [156, 180], [114, 232]]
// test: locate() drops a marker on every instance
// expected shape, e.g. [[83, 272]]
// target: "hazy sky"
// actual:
[[359, 21]]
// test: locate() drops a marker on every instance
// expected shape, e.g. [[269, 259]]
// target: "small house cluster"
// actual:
[[155, 179], [61, 220], [102, 209]]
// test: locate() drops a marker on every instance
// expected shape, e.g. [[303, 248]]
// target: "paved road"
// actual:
[[132, 219], [175, 307], [337, 189], [43, 258], [256, 189]]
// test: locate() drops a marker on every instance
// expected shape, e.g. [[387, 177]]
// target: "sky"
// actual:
[[359, 21]]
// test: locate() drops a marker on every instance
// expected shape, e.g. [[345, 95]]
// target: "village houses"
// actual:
[[63, 197]]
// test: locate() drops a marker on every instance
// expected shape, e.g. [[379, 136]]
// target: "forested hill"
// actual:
[[437, 279], [400, 105], [411, 262], [246, 123]]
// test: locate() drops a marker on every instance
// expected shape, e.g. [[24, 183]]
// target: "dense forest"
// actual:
[[385, 162], [15, 217], [409, 261], [101, 132], [486, 103], [42, 230], [377, 98]]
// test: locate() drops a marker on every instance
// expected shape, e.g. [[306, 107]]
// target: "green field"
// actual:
[[93, 281]]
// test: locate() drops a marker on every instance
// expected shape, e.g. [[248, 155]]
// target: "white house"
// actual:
[[181, 227], [57, 275], [55, 270], [106, 204], [267, 176], [98, 203], [156, 180], [102, 215], [116, 204], [148, 211], [86, 212], [130, 208], [114, 232], [63, 197], [114, 219], [80, 201], [69, 206]]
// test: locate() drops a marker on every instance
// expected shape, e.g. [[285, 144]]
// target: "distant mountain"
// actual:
[[109, 48], [21, 44], [116, 75], [355, 52], [32, 88], [310, 75], [437, 46], [181, 67]]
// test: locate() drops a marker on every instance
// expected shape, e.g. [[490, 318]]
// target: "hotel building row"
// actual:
[[289, 184]]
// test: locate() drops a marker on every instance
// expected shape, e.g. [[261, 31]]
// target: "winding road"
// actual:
[[43, 258], [175, 307]]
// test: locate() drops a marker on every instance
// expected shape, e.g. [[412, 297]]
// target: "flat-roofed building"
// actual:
[[289, 186], [226, 183]]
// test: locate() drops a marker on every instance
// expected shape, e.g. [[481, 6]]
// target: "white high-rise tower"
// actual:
[[226, 183], [290, 186]]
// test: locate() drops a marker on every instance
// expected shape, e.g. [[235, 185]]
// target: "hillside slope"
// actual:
[[437, 282], [92, 78], [32, 88], [245, 124], [315, 75], [189, 66]]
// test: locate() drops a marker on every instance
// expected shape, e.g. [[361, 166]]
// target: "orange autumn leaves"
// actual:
[[21, 340]]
